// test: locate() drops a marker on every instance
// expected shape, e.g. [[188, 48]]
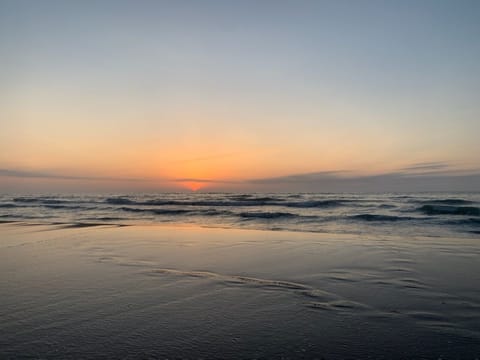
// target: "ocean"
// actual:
[[423, 214]]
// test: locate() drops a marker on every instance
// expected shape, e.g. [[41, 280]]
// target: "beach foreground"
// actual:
[[78, 291]]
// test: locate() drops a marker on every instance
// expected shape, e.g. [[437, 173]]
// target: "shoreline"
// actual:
[[181, 291]]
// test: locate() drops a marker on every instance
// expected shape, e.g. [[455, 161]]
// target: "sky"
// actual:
[[239, 95]]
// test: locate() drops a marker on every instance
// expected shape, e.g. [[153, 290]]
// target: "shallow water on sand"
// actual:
[[189, 292]]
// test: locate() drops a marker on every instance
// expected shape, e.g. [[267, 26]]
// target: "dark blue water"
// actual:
[[423, 214]]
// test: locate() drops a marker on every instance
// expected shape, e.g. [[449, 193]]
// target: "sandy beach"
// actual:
[[76, 291]]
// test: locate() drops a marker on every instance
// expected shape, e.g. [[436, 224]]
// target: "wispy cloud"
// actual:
[[427, 166], [429, 177], [300, 178], [48, 175], [439, 168], [61, 176]]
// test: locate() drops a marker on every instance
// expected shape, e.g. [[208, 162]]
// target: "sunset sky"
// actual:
[[239, 95]]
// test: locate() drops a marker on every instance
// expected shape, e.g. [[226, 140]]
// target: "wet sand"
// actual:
[[75, 291]]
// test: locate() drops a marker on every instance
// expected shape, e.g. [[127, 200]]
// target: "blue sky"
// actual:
[[230, 91]]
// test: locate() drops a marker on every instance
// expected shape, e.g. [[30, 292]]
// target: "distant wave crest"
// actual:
[[449, 201], [449, 210], [38, 200], [119, 201], [266, 215], [376, 217], [315, 204], [8, 206], [234, 201]]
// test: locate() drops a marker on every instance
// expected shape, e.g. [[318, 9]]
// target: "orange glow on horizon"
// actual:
[[193, 185]]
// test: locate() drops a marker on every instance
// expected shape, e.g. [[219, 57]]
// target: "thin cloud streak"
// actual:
[[46, 175], [300, 178], [427, 166], [50, 175], [441, 179]]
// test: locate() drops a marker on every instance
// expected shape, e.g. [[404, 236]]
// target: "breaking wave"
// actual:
[[236, 201], [469, 222], [8, 205], [266, 215], [119, 201], [315, 204], [449, 210], [449, 201], [376, 217], [41, 200]]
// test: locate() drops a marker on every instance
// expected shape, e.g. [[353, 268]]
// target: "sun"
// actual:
[[193, 185]]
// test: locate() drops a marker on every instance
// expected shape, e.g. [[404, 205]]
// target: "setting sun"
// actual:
[[193, 185]]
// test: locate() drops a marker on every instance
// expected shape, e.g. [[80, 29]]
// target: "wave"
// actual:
[[449, 210], [39, 200], [130, 209], [448, 201], [213, 212], [471, 221], [9, 206], [233, 201], [86, 225], [157, 211], [27, 200], [377, 217], [170, 211], [315, 203], [48, 202], [25, 217], [206, 212], [105, 218], [246, 197], [69, 207], [119, 201], [386, 206], [267, 215], [160, 202], [217, 203]]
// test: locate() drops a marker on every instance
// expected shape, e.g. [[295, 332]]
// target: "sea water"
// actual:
[[423, 214]]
